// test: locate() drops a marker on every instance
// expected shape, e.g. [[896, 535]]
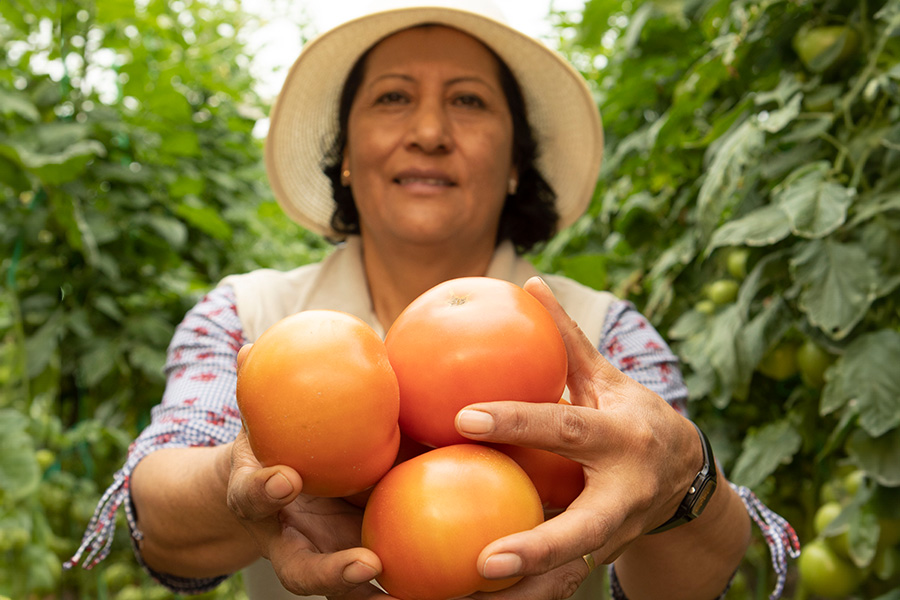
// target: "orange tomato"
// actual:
[[409, 448], [559, 480], [318, 394], [430, 517], [467, 340]]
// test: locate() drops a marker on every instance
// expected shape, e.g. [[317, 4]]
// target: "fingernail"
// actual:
[[474, 421], [499, 566], [357, 572], [278, 486]]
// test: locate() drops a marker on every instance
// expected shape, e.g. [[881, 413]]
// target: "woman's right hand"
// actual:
[[313, 543]]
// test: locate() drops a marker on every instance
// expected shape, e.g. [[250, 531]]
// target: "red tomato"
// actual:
[[559, 480], [467, 340], [430, 517], [317, 393]]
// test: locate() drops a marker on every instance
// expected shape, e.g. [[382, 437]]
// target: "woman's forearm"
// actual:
[[694, 561], [179, 495]]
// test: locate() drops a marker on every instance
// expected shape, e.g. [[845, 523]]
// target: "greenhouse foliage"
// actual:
[[749, 204]]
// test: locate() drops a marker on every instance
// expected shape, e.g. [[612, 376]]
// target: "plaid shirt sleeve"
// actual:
[[634, 347], [198, 408]]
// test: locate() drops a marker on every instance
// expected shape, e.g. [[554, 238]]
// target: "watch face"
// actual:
[[707, 487]]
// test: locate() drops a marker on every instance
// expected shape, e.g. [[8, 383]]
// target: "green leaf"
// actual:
[[764, 451], [867, 375], [172, 230], [59, 167], [715, 349], [17, 103], [19, 470], [97, 362], [879, 456], [837, 284], [764, 226], [589, 269], [149, 360], [775, 121], [814, 205], [42, 346], [727, 159], [205, 219], [182, 142]]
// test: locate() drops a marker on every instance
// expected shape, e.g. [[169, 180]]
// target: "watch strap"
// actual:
[[700, 491]]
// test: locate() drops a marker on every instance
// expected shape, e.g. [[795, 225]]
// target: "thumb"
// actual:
[[256, 492]]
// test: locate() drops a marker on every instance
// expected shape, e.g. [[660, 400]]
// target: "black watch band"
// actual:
[[698, 494]]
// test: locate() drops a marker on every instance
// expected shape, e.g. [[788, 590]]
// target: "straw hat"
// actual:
[[304, 119]]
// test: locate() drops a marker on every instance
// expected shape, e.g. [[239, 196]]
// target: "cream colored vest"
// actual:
[[339, 283]]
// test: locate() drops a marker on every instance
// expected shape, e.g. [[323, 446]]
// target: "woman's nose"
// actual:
[[430, 128]]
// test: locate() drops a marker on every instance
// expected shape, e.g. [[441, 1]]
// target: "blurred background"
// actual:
[[749, 204]]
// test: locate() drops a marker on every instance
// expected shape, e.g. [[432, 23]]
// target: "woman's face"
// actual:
[[429, 145]]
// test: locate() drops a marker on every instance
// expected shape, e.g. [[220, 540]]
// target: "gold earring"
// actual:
[[345, 177], [512, 186]]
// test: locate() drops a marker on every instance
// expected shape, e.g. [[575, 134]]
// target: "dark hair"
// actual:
[[529, 216]]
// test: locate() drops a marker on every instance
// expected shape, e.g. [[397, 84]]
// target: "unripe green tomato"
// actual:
[[853, 480], [45, 458], [118, 575], [825, 515], [824, 573], [736, 261], [130, 592], [813, 361], [822, 48], [705, 306], [723, 291], [780, 363]]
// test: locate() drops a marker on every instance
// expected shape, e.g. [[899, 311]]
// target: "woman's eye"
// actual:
[[391, 98], [469, 100]]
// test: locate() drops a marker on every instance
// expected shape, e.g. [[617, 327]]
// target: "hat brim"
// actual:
[[304, 119]]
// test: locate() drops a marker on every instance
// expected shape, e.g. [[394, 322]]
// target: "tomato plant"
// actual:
[[430, 517], [467, 340], [317, 393]]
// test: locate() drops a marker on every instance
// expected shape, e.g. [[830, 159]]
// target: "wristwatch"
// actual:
[[700, 492]]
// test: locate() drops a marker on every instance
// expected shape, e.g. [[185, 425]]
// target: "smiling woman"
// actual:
[[432, 143]]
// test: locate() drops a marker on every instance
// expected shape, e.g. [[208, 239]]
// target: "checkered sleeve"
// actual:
[[634, 347], [198, 408]]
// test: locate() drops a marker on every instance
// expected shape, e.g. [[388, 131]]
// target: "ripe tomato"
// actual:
[[430, 517], [559, 480], [317, 393], [409, 448], [467, 340]]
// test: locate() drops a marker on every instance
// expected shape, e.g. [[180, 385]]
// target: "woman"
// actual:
[[449, 139]]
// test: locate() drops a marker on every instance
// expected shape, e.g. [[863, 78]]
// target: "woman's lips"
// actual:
[[428, 178], [423, 181]]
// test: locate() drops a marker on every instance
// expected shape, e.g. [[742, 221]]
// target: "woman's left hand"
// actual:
[[639, 457]]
